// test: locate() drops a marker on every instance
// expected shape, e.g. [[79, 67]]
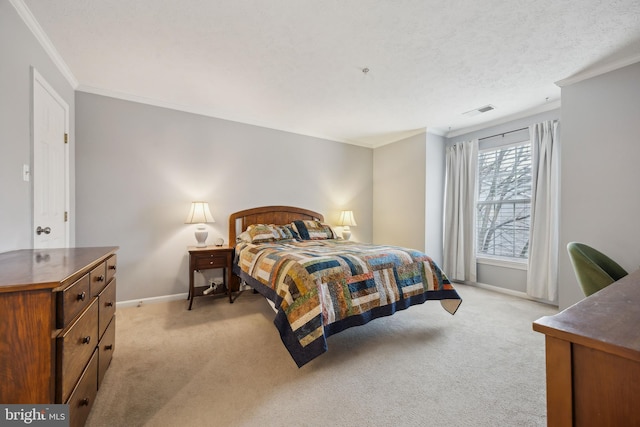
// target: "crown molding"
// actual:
[[44, 41]]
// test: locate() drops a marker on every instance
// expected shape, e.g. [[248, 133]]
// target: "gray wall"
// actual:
[[20, 51], [139, 167], [600, 171]]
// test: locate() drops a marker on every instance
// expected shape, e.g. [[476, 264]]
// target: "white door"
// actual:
[[50, 166]]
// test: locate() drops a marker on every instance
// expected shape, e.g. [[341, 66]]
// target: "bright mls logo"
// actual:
[[36, 415]]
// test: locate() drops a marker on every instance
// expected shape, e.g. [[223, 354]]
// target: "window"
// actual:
[[504, 202]]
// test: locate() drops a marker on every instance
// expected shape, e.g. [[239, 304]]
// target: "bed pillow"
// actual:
[[293, 232], [313, 230], [283, 232], [244, 237], [260, 233]]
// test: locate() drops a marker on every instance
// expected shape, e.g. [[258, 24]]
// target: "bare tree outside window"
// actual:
[[504, 202]]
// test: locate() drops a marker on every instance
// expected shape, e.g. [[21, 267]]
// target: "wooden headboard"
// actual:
[[279, 215]]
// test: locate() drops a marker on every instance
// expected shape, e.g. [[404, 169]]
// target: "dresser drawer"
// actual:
[[105, 349], [111, 267], [98, 278], [72, 301], [211, 261], [107, 303], [75, 347], [83, 396]]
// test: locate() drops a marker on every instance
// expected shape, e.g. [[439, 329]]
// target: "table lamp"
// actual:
[[346, 220], [200, 214]]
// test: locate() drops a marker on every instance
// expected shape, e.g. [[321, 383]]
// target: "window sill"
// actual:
[[503, 262]]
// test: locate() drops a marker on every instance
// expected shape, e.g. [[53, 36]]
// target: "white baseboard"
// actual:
[[511, 292], [164, 298], [151, 300]]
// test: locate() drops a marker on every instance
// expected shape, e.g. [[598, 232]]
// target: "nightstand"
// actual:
[[207, 258]]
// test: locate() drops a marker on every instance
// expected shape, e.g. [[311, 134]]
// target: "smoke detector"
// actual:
[[479, 110]]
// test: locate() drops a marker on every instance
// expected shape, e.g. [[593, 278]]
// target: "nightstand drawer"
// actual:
[[211, 261]]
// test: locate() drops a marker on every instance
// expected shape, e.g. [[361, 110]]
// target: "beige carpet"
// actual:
[[223, 364]]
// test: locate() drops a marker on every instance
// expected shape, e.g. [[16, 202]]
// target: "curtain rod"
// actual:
[[511, 131], [503, 133]]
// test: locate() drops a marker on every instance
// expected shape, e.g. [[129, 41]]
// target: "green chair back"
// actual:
[[594, 270]]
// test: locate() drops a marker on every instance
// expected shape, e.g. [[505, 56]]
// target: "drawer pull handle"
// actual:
[[108, 347], [112, 267], [82, 296], [86, 340], [108, 304], [100, 278], [84, 402]]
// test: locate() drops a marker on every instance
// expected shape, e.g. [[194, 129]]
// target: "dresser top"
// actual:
[[607, 320], [47, 268]]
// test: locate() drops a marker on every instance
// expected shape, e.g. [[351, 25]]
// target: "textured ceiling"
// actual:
[[296, 65]]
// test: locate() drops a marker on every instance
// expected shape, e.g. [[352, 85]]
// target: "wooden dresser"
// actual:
[[57, 326], [593, 358]]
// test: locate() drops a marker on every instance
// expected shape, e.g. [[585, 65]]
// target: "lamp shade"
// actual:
[[347, 218], [199, 214]]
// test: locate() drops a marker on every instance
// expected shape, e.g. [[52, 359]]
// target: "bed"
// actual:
[[320, 284]]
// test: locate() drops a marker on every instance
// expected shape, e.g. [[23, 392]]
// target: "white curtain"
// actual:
[[542, 276], [459, 261]]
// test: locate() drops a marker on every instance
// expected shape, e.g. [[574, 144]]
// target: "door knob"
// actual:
[[41, 230]]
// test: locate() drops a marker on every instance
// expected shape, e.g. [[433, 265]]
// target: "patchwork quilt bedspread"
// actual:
[[321, 287]]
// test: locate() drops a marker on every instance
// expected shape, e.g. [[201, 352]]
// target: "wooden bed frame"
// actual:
[[279, 215]]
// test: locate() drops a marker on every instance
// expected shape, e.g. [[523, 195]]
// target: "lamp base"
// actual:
[[346, 233], [201, 237]]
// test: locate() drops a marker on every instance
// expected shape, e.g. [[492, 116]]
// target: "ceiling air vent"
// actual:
[[480, 110]]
